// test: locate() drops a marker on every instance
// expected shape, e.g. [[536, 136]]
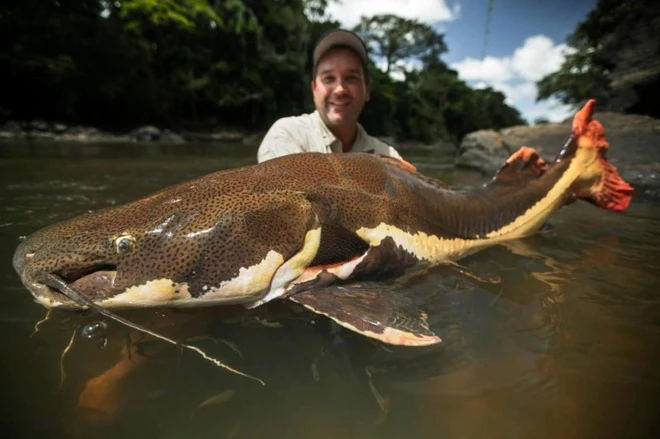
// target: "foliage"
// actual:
[[200, 64], [601, 50], [581, 76], [398, 40]]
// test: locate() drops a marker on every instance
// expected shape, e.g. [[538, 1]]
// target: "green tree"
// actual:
[[201, 64], [397, 40], [584, 74], [601, 46]]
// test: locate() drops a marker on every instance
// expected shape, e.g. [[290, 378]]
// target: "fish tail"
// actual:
[[601, 183]]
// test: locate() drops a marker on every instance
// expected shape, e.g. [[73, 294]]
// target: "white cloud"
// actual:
[[489, 69], [514, 93], [538, 57], [348, 12], [551, 109], [515, 76]]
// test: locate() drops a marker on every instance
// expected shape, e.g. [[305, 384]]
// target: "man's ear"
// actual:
[[313, 85]]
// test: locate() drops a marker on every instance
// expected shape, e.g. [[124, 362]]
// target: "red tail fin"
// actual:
[[606, 188], [613, 192]]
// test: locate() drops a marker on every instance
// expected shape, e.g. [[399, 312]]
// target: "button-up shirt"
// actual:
[[308, 133]]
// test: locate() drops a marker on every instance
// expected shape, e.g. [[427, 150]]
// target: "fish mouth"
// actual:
[[94, 283]]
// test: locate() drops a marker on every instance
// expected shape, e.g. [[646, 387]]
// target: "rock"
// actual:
[[40, 135], [148, 133], [214, 136], [634, 140], [11, 130], [483, 150], [80, 134], [59, 128], [169, 136], [11, 127], [39, 125], [226, 137]]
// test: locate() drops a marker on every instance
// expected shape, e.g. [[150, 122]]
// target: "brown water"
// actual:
[[564, 346]]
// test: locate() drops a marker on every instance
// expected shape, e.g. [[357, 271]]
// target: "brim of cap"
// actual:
[[340, 38]]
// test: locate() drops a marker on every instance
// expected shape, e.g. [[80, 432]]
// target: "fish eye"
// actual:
[[124, 244]]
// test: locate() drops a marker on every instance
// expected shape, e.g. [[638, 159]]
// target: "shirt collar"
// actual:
[[326, 134], [329, 139]]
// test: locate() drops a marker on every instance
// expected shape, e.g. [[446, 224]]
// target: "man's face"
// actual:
[[340, 88]]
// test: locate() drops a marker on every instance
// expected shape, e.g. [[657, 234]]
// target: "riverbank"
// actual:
[[39, 130], [52, 131], [635, 143]]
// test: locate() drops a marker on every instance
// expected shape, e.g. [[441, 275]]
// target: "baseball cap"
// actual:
[[341, 38]]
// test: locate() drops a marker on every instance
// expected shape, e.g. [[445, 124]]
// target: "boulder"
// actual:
[[39, 125], [11, 130], [634, 140], [482, 150], [59, 128], [169, 136], [147, 133], [226, 137]]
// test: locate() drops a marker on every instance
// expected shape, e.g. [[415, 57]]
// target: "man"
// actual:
[[341, 87]]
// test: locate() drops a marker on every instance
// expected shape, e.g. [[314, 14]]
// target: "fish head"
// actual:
[[176, 249]]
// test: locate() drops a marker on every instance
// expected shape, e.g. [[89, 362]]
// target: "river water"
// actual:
[[556, 336]]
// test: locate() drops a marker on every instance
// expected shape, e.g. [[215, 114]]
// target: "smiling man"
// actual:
[[341, 87]]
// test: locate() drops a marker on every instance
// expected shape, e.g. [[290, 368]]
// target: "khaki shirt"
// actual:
[[308, 133]]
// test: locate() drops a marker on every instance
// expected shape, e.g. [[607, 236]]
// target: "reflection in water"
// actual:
[[552, 336]]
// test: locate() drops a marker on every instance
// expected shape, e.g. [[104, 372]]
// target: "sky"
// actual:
[[526, 41]]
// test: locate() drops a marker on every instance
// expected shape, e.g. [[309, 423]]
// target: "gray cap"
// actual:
[[341, 38]]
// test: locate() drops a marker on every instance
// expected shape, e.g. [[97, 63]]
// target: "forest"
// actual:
[[241, 64]]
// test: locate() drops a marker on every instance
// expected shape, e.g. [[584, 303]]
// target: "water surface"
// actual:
[[564, 345]]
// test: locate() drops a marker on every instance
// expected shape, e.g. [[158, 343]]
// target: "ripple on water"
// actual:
[[496, 336]]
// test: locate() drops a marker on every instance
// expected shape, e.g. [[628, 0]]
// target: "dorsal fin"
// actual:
[[409, 167]]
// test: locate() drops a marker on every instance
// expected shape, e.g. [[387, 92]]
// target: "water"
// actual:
[[564, 345]]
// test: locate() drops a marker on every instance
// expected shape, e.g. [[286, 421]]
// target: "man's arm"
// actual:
[[279, 141]]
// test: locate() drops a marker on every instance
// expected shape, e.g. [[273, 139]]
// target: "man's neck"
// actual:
[[347, 137]]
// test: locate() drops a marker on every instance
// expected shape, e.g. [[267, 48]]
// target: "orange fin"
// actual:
[[527, 158], [406, 164], [612, 192], [607, 189], [523, 164], [399, 162]]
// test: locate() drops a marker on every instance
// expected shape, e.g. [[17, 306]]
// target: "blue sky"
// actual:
[[511, 22], [526, 40]]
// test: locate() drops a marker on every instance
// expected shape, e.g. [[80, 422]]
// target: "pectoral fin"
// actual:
[[371, 310]]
